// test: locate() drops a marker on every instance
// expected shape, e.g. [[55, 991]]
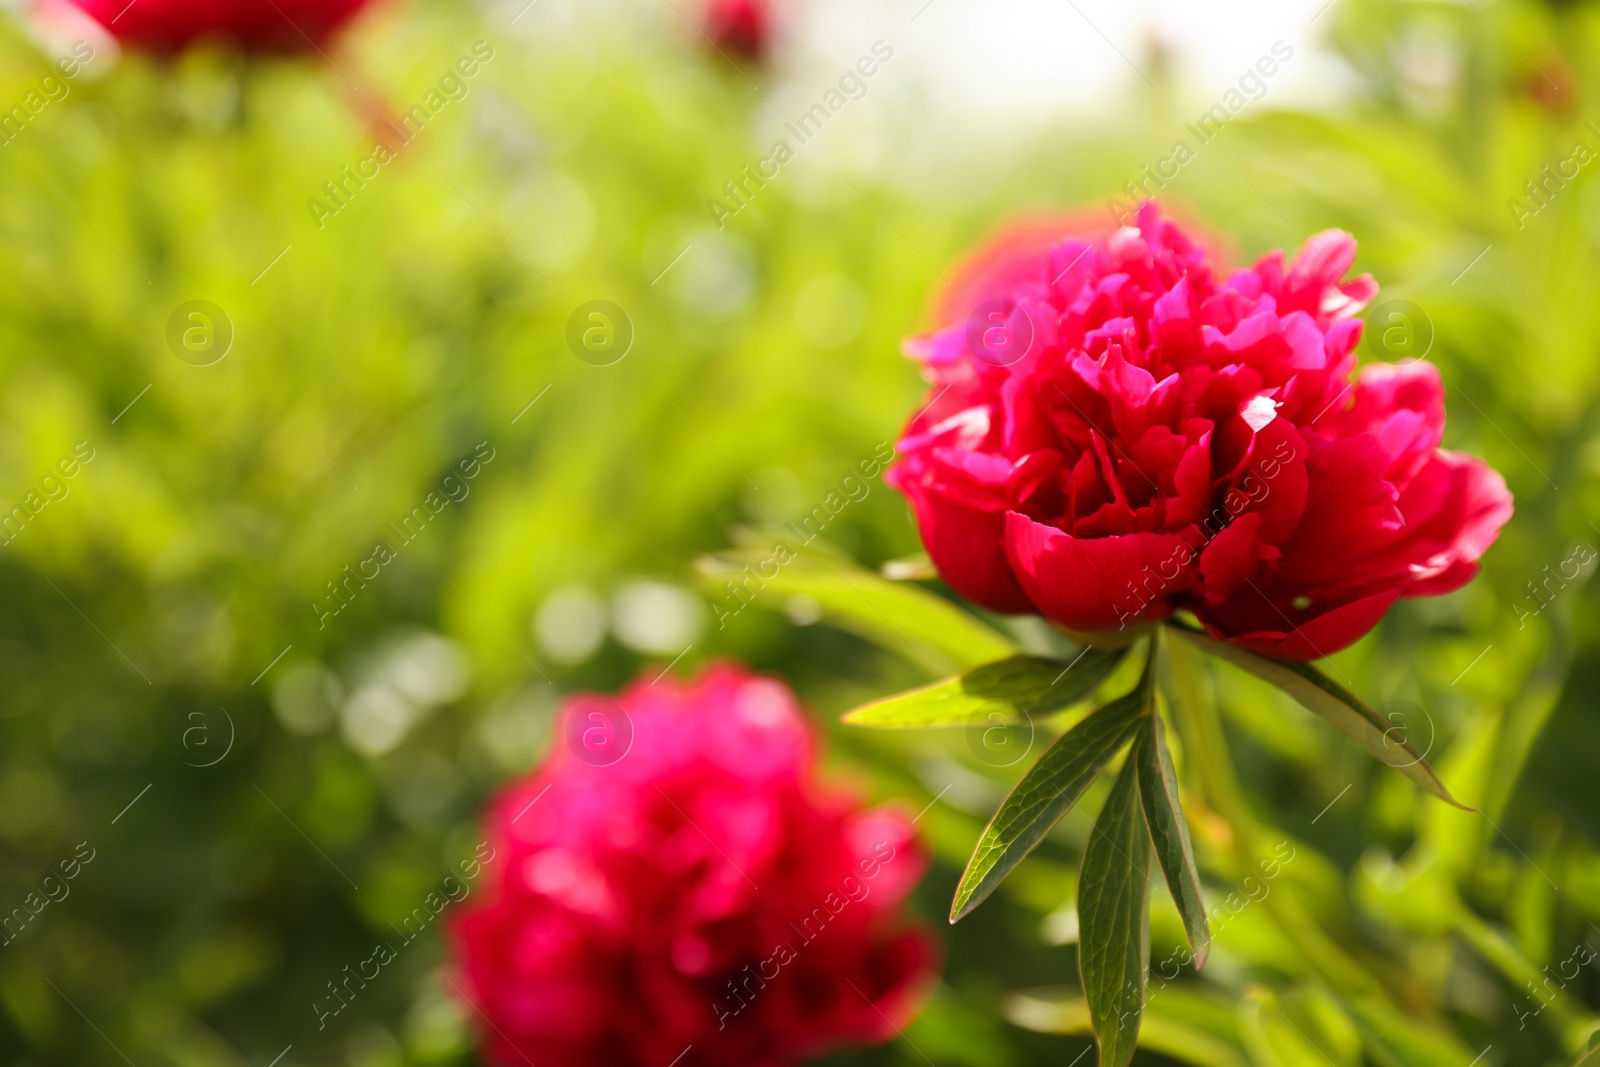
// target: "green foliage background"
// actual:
[[422, 319]]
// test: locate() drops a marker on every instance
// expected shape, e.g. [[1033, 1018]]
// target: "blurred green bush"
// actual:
[[265, 786]]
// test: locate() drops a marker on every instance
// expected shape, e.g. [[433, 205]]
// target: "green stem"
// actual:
[[1208, 753], [1208, 749]]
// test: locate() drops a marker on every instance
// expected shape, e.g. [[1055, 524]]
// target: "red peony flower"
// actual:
[[740, 26], [1116, 432], [674, 877], [261, 25]]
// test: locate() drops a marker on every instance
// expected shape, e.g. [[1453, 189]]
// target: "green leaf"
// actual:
[[1325, 697], [1114, 920], [1044, 794], [1007, 691], [926, 629], [1180, 1023], [1169, 833], [914, 568], [1300, 1028], [1395, 1037]]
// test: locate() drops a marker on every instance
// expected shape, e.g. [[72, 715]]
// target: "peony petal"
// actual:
[[1191, 482], [1349, 503], [1479, 504], [1320, 636], [965, 544], [1098, 584], [1231, 559], [1307, 347], [1275, 481], [1323, 259], [1385, 388]]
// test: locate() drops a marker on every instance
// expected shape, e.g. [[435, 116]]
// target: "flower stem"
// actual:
[[1208, 749]]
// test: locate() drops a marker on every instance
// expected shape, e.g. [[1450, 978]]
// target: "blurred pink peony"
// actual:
[[1118, 431], [673, 876], [258, 25], [743, 27]]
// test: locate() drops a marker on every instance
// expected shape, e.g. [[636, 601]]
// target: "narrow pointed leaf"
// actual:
[[1347, 712], [927, 629], [1114, 920], [1042, 797], [1007, 691], [1169, 833]]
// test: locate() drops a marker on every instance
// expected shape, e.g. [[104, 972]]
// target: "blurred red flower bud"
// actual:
[[674, 876], [743, 27], [257, 25]]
